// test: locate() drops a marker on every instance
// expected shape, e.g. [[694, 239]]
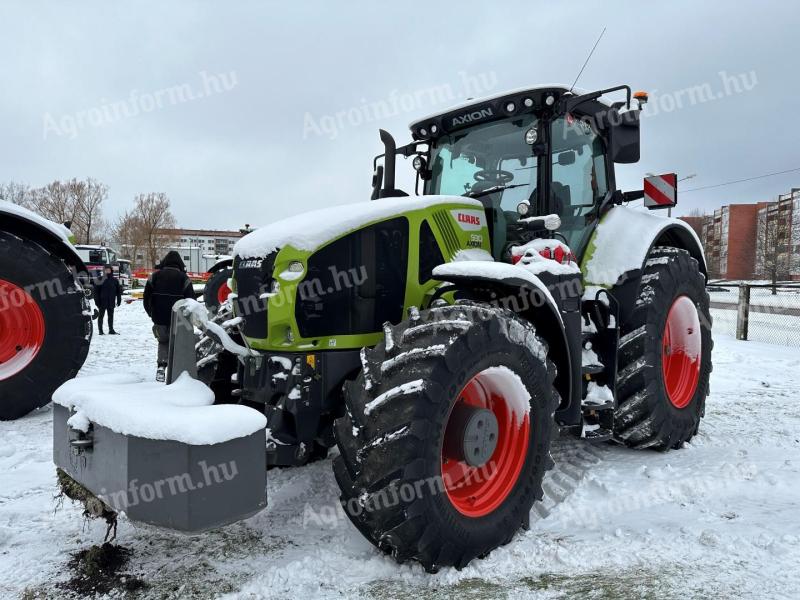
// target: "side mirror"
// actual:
[[566, 158], [377, 182], [624, 136]]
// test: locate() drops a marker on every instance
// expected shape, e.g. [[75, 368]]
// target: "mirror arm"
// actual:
[[568, 104]]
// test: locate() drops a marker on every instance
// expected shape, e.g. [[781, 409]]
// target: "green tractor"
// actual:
[[442, 340]]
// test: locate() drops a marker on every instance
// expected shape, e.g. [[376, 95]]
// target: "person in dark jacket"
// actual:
[[168, 284], [107, 293]]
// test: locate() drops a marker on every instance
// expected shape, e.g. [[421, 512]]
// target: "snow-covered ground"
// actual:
[[718, 519]]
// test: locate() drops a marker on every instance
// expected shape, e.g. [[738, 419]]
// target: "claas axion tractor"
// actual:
[[441, 340]]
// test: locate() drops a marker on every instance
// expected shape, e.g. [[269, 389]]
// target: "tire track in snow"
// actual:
[[573, 460]]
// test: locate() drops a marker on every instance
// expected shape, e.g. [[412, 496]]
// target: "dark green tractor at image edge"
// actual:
[[441, 340]]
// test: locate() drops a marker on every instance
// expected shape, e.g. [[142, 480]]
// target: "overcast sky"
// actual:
[[116, 92]]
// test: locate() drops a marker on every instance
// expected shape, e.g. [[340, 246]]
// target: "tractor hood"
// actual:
[[310, 230]]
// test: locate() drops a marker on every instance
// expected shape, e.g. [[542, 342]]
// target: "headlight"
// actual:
[[523, 208]]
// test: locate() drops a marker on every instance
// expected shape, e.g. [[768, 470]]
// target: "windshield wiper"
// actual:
[[494, 189]]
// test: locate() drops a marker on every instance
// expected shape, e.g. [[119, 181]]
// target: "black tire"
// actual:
[[67, 324], [212, 287], [646, 417], [399, 443]]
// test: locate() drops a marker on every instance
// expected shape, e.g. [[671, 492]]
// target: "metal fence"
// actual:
[[757, 311]]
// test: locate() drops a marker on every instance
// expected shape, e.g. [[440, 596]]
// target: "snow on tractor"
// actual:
[[45, 316], [442, 340]]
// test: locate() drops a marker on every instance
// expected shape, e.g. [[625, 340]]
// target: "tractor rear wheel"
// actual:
[[665, 355], [446, 437], [45, 326], [216, 290]]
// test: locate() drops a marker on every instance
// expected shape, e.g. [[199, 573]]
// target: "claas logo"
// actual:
[[469, 219]]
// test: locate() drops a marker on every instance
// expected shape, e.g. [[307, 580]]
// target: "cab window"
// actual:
[[579, 176]]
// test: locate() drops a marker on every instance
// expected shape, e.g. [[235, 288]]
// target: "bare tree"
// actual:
[[90, 195], [77, 203], [153, 215], [18, 193], [128, 233], [773, 246]]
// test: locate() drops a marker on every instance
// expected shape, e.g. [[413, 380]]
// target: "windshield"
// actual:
[[491, 158], [93, 256]]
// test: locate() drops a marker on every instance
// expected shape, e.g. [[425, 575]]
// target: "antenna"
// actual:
[[587, 59]]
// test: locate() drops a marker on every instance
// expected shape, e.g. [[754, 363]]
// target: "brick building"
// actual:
[[729, 239]]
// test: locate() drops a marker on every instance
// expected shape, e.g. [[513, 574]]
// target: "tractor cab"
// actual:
[[534, 152]]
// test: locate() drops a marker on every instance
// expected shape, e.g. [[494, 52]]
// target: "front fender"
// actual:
[[517, 289]]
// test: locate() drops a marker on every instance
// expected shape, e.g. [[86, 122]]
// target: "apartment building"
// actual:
[[778, 238], [729, 239]]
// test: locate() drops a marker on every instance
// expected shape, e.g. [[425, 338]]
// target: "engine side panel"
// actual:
[[348, 286]]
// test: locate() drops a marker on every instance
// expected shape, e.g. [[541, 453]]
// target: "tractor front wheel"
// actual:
[[665, 355], [447, 434], [216, 290]]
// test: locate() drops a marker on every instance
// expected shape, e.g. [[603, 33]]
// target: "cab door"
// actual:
[[580, 178]]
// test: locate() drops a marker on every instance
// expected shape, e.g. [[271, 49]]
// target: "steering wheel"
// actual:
[[493, 176]]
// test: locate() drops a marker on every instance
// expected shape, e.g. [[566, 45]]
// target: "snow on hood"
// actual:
[[183, 411], [308, 231], [622, 241], [17, 210]]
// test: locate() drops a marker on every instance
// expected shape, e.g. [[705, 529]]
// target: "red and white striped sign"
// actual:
[[661, 191]]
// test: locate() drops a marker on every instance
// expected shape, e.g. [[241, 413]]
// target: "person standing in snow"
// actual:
[[107, 293], [168, 284]]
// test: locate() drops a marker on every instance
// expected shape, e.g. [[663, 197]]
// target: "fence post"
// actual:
[[743, 312]]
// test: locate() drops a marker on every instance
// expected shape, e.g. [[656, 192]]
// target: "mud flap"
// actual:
[[171, 484]]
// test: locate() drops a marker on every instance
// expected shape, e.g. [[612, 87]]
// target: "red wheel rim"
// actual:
[[21, 329], [223, 292], [478, 491], [681, 352]]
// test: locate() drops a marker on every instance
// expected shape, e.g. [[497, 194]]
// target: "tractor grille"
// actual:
[[253, 279], [445, 224]]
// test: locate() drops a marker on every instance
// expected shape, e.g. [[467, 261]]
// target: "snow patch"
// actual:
[[472, 254], [435, 350], [510, 386], [598, 394], [400, 390], [622, 242], [183, 411]]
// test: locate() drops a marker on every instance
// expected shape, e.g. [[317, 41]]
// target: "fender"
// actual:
[[621, 243], [517, 289], [223, 263], [56, 238]]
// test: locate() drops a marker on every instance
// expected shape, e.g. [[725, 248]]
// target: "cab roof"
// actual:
[[492, 107]]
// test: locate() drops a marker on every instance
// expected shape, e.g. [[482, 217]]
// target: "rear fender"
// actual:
[[621, 243]]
